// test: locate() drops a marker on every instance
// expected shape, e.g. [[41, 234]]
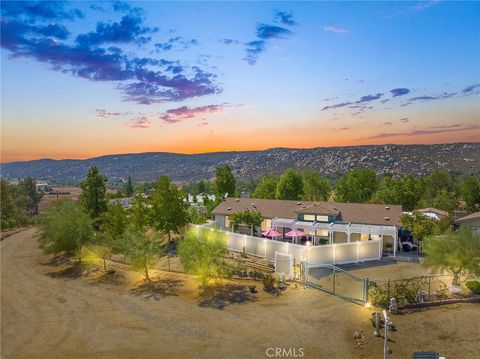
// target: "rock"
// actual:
[[454, 289]]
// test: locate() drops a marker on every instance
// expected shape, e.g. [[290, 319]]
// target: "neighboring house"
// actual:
[[436, 214], [472, 220], [245, 194], [42, 186], [200, 198], [124, 202], [320, 221]]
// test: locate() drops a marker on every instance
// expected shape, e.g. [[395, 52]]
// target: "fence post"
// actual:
[[333, 283], [388, 290], [365, 290], [429, 286]]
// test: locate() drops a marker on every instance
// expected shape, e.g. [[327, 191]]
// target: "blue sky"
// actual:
[[81, 79]]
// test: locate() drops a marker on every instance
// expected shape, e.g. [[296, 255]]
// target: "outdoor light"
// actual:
[[308, 243]]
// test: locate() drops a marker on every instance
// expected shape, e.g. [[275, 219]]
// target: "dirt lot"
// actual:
[[73, 193], [51, 311]]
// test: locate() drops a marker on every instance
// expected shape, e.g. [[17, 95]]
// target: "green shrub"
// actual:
[[474, 286], [268, 281], [403, 291]]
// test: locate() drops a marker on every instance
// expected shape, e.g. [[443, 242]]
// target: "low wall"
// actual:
[[342, 253]]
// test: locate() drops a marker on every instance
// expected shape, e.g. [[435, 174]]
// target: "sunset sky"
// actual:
[[84, 79]]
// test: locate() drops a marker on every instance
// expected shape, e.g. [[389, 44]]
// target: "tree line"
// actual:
[[140, 233], [18, 203], [440, 189]]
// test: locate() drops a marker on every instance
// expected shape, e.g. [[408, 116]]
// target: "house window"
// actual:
[[321, 218], [364, 237], [309, 217], [322, 232]]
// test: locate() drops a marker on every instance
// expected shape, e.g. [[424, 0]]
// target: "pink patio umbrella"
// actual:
[[295, 234], [271, 233]]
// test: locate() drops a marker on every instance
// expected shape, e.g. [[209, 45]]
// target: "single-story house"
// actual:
[[472, 220], [322, 222]]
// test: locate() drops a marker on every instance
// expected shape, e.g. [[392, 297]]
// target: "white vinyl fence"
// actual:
[[342, 253]]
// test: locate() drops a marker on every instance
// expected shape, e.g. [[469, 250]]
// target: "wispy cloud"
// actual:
[[140, 122], [399, 91], [471, 88], [264, 34], [442, 96], [424, 5], [360, 104], [285, 18], [404, 120], [176, 43], [421, 132], [338, 105], [229, 41], [184, 112], [369, 98], [335, 29]]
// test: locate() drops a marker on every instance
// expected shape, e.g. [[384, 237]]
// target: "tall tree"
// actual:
[[390, 191], [225, 181], [140, 213], [128, 187], [446, 201], [266, 188], [315, 187], [29, 186], [248, 217], [420, 225], [470, 193], [64, 227], [290, 185], [93, 193], [203, 253], [13, 202], [455, 252], [169, 210], [114, 221], [358, 186], [435, 182], [140, 250], [413, 187]]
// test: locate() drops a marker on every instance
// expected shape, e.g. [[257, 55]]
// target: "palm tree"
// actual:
[[455, 252]]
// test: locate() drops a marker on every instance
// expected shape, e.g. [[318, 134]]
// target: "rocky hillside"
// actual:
[[331, 161]]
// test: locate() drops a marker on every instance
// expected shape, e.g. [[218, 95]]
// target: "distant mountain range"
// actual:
[[330, 161]]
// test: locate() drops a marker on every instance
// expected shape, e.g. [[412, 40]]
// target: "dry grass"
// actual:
[[85, 313]]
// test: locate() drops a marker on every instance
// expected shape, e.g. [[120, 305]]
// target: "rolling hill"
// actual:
[[331, 161]]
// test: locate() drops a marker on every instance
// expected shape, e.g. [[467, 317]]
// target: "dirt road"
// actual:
[[47, 317]]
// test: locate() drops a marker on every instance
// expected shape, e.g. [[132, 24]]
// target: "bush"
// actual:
[[474, 286], [268, 282], [403, 291]]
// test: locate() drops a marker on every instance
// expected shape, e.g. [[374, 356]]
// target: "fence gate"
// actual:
[[284, 264], [336, 281]]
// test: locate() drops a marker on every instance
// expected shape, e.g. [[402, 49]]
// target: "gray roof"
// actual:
[[362, 213], [470, 217]]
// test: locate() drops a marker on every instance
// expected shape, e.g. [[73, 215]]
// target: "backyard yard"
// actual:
[[55, 309]]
